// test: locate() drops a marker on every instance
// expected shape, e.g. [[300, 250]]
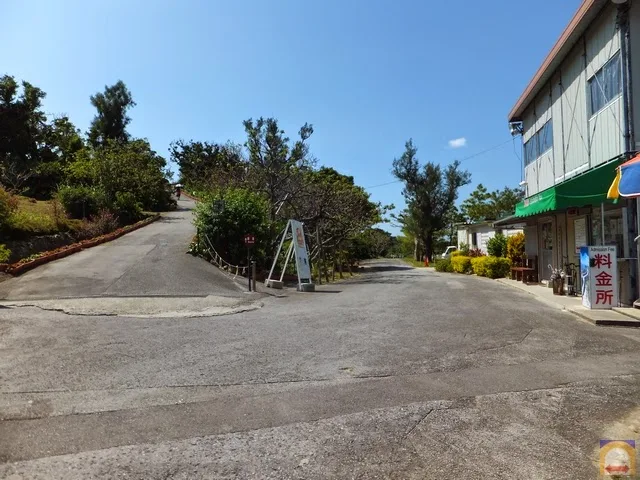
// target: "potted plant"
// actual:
[[557, 280]]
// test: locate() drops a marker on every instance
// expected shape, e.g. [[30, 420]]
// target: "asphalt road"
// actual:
[[397, 373], [151, 261]]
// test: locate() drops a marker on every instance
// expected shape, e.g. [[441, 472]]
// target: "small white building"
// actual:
[[477, 235]]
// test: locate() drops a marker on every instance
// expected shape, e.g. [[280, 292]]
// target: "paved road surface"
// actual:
[[149, 261], [399, 373]]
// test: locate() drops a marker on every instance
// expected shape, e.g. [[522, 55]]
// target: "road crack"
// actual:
[[507, 345], [417, 424]]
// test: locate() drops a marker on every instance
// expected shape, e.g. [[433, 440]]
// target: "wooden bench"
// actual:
[[527, 270]]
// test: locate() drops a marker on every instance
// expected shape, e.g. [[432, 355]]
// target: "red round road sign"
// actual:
[[249, 239]]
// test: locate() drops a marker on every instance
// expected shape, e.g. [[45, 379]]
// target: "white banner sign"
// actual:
[[580, 233], [300, 246], [600, 265]]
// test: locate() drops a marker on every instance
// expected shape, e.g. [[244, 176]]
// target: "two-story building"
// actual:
[[579, 118]]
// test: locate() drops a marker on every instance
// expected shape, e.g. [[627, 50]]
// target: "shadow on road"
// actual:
[[387, 268], [165, 219], [375, 280]]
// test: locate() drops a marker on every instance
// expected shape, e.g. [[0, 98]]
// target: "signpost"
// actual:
[[300, 247], [249, 241], [599, 271], [294, 231]]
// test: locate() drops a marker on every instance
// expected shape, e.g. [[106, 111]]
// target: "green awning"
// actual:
[[589, 188]]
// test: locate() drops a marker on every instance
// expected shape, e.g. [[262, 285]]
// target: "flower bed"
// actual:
[[51, 255]]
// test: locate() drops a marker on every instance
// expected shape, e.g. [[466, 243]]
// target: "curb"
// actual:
[[550, 303], [189, 196], [617, 323], [578, 313], [18, 268]]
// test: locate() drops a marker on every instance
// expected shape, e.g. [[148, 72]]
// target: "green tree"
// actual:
[[478, 205], [273, 161], [483, 205], [22, 132], [206, 166], [132, 168], [379, 242], [402, 246], [505, 201], [111, 121], [63, 142], [122, 174], [449, 234], [497, 245], [244, 212], [339, 209], [411, 233], [335, 212], [430, 192]]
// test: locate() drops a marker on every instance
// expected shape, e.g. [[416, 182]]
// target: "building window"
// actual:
[[530, 150], [545, 137], [605, 85], [539, 143]]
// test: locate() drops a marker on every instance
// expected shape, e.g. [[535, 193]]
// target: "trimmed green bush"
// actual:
[[498, 267], [497, 245], [457, 253], [444, 265], [80, 201], [243, 212], [478, 265], [4, 253], [461, 264], [127, 208], [491, 267]]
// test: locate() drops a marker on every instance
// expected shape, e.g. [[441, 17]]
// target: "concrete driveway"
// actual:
[[397, 373], [151, 261]]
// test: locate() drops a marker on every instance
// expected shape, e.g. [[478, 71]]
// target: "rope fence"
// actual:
[[221, 263]]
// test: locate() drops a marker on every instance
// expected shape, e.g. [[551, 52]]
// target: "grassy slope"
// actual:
[[34, 217]]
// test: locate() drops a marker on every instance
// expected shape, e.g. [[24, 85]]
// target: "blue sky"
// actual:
[[368, 74]]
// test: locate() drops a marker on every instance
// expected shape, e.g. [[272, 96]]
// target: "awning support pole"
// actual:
[[602, 223]]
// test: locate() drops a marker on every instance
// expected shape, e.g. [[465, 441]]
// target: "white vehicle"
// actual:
[[450, 249]]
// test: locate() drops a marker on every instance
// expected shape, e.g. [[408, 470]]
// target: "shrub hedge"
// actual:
[[444, 265], [491, 267], [461, 264], [478, 265], [81, 201], [5, 253]]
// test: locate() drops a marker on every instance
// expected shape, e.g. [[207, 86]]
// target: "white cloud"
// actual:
[[458, 142]]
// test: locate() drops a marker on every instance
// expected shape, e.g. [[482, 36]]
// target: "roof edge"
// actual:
[[570, 29]]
